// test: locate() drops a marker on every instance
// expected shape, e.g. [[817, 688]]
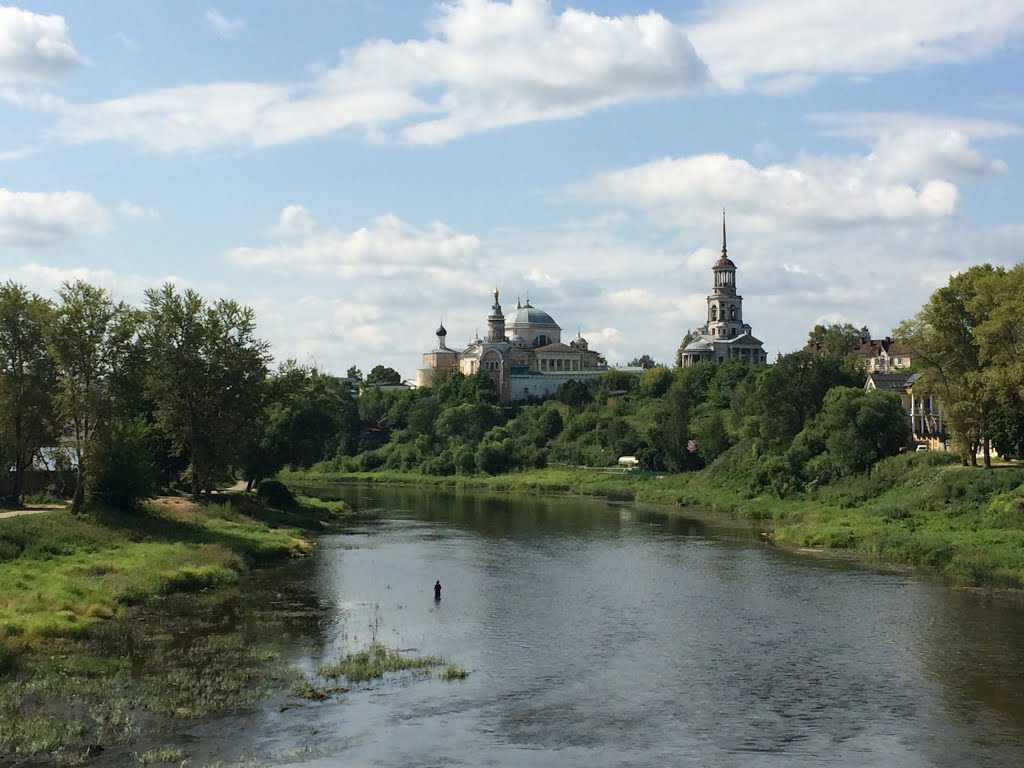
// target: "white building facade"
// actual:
[[724, 336]]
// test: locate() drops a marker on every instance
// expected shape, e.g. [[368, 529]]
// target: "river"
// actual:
[[613, 635]]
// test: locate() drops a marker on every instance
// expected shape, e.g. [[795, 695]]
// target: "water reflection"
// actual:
[[608, 635]]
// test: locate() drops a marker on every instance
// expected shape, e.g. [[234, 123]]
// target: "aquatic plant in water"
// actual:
[[377, 660]]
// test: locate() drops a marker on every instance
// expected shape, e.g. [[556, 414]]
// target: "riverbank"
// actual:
[[966, 523], [83, 662]]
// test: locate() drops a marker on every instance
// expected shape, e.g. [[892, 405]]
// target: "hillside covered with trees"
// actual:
[[121, 400]]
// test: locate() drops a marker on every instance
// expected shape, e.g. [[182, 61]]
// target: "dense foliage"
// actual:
[[116, 396], [967, 340], [803, 421]]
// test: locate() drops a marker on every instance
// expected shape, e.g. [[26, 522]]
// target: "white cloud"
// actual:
[[135, 211], [34, 47], [39, 219], [626, 299], [908, 174], [295, 220], [388, 247], [47, 280], [922, 145], [223, 26], [811, 192], [487, 64], [773, 44]]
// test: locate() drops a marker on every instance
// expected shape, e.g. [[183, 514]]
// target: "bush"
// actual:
[[123, 470], [276, 494]]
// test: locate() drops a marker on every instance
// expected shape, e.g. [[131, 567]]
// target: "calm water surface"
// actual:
[[601, 635]]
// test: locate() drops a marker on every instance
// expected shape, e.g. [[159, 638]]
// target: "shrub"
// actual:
[[276, 494], [123, 469]]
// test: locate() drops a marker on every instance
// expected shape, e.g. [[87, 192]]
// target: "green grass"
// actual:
[[452, 672], [76, 670], [60, 573], [124, 680], [159, 755], [374, 662], [312, 690]]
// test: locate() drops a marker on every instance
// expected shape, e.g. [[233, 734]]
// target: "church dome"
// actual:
[[724, 263], [441, 330], [698, 346], [517, 340], [529, 315]]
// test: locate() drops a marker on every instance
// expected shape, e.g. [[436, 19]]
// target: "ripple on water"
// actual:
[[598, 638]]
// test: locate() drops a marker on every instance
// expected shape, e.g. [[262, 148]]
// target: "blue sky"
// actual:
[[357, 170]]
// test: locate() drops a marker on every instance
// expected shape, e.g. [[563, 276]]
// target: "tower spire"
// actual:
[[724, 256]]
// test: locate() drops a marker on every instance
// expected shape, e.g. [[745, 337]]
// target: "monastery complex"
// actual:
[[527, 359]]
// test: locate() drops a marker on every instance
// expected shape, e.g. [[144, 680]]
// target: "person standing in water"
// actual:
[[437, 589]]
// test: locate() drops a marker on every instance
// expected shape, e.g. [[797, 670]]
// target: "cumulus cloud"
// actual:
[[786, 44], [223, 26], [295, 220], [40, 219], [388, 246], [813, 191], [486, 64], [919, 144], [34, 47], [908, 174]]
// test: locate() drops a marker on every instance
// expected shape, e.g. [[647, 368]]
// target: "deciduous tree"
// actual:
[[206, 377], [27, 382], [942, 339], [837, 338], [91, 340], [381, 374]]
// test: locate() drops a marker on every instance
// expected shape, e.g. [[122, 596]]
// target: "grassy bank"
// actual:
[[920, 509], [87, 659]]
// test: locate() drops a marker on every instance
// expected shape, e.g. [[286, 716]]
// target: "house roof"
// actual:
[[745, 338], [875, 347], [890, 382]]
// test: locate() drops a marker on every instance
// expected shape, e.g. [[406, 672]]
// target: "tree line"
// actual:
[[180, 391], [125, 398], [805, 420]]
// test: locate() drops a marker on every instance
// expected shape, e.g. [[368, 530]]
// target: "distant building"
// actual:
[[524, 355], [922, 409], [883, 355], [878, 355], [724, 336]]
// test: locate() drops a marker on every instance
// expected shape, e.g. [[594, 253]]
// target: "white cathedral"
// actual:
[[524, 355], [724, 336]]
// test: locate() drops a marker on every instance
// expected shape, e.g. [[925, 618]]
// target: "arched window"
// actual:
[[714, 314], [732, 312]]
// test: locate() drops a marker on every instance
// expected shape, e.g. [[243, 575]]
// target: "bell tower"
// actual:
[[725, 306]]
